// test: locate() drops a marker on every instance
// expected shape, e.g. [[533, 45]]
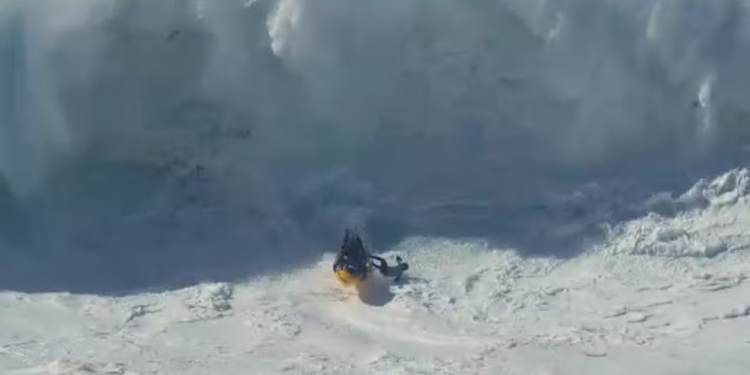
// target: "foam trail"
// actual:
[[178, 138]]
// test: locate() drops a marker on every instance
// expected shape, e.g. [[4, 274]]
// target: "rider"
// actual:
[[356, 260]]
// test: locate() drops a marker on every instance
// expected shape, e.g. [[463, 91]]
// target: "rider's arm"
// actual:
[[383, 266]]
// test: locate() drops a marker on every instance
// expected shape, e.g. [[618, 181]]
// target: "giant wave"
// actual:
[[149, 143]]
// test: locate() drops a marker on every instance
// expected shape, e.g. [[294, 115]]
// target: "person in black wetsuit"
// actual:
[[355, 258]]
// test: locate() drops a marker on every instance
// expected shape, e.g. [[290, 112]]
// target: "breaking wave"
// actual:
[[216, 138]]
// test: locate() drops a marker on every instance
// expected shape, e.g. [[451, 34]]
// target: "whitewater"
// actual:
[[567, 179]]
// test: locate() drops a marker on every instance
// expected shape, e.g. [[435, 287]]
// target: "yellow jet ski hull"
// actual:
[[347, 278]]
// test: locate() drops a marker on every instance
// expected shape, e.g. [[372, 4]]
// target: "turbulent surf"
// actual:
[[154, 143]]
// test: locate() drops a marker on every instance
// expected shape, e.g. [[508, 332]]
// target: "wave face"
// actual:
[[147, 142]]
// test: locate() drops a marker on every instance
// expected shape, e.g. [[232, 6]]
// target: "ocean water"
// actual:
[[153, 144]]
